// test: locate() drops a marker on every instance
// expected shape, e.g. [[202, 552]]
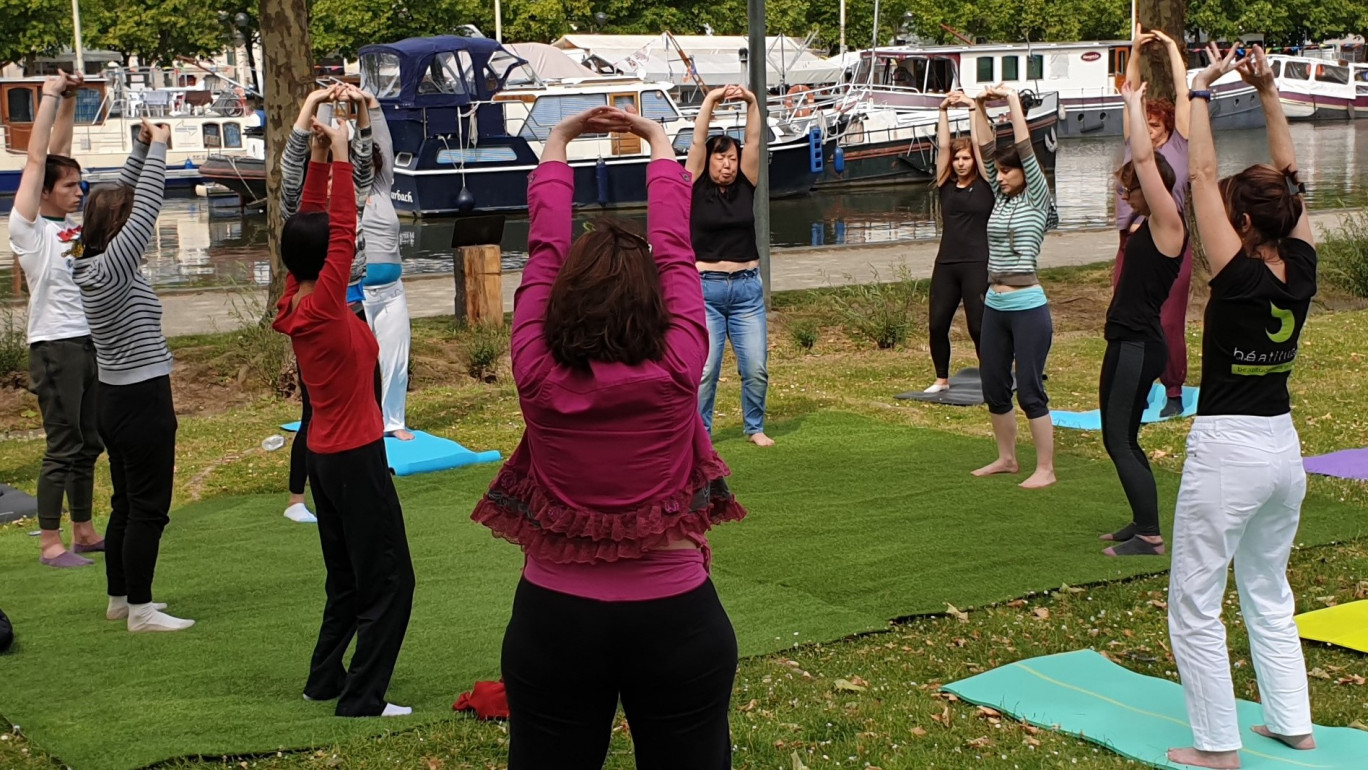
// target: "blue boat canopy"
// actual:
[[444, 71]]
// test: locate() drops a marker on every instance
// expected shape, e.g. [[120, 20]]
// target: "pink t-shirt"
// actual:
[[657, 575], [1175, 151], [614, 462]]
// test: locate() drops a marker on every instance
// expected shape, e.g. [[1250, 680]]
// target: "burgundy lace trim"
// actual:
[[518, 510]]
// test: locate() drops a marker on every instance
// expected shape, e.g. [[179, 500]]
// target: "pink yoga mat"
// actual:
[[1345, 464]]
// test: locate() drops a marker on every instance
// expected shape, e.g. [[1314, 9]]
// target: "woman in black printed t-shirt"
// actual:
[[1243, 480]]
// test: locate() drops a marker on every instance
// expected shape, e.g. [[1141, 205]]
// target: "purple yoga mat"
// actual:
[[1344, 464]]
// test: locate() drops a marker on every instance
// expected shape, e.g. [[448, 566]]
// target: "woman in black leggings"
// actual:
[[961, 271], [1136, 349]]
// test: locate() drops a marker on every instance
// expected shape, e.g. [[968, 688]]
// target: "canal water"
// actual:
[[192, 249]]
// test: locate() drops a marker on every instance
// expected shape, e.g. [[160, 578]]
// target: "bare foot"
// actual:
[[760, 439], [402, 435], [1039, 480], [1299, 742], [1221, 760], [1000, 465]]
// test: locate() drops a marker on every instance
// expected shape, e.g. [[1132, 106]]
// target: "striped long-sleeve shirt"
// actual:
[[294, 164], [123, 311], [1016, 228], [379, 222]]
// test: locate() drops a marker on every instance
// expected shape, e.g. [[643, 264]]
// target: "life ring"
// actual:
[[797, 103]]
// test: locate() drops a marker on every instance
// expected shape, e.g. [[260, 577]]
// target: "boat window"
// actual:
[[1009, 68], [550, 110], [656, 106], [88, 101], [985, 69], [1297, 70], [19, 105], [511, 71], [684, 139], [1116, 61], [380, 75], [232, 135], [1330, 73], [1035, 67], [213, 139], [446, 74], [136, 129], [1276, 65]]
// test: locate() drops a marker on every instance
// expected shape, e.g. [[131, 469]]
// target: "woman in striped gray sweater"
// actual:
[[1017, 327], [136, 417]]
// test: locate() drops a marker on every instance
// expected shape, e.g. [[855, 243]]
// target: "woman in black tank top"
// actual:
[[1136, 352], [722, 226]]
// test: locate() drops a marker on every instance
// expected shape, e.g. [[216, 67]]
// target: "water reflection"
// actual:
[[192, 249]]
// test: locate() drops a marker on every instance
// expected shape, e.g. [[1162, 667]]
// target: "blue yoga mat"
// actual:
[[1158, 398], [425, 453], [1082, 693]]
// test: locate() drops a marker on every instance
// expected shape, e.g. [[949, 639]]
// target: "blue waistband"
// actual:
[[381, 273], [1021, 299], [354, 294]]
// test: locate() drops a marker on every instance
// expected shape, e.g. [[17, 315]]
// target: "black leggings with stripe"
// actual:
[[1129, 370]]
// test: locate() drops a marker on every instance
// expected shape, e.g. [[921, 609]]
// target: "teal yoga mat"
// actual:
[[1158, 398], [426, 453], [1082, 693]]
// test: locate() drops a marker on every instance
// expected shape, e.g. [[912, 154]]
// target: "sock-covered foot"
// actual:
[[1173, 408], [392, 710], [1300, 742], [1220, 760], [997, 466], [1136, 546], [118, 607], [65, 560], [938, 386], [146, 618], [1121, 535], [299, 513]]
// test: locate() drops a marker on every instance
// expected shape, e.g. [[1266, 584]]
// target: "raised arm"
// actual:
[[669, 196], [384, 147], [1219, 239], [750, 152], [943, 141], [1255, 71], [985, 139], [1166, 222], [698, 150], [28, 199], [122, 259], [65, 128], [133, 166], [1139, 38], [362, 146], [1182, 106], [294, 159], [330, 293]]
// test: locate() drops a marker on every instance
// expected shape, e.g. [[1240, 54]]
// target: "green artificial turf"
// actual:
[[852, 522]]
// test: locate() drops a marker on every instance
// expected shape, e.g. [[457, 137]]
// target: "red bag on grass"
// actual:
[[487, 700]]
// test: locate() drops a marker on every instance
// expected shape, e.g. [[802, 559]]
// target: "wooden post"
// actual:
[[479, 285]]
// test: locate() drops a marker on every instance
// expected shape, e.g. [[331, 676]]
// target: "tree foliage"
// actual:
[[30, 27]]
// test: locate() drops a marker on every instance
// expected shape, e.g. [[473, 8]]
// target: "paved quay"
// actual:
[[209, 311]]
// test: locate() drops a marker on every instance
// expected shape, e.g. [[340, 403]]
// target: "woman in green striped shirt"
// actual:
[[1017, 327]]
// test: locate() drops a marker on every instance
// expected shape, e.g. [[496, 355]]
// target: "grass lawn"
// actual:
[[863, 513]]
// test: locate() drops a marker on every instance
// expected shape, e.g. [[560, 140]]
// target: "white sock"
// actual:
[[118, 607], [146, 617], [300, 513], [392, 710]]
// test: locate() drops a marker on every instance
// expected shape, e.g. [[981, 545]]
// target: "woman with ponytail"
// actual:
[[1243, 480]]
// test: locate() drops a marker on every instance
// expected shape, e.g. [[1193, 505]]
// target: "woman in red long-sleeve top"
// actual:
[[615, 483], [360, 524]]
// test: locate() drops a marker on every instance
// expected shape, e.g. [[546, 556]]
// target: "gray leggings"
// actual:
[[1022, 337]]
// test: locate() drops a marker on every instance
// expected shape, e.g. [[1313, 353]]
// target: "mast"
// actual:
[[76, 27]]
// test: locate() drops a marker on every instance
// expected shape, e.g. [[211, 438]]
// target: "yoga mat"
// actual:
[[1345, 625], [1083, 694], [966, 389], [426, 453], [1344, 464], [15, 505], [1158, 398]]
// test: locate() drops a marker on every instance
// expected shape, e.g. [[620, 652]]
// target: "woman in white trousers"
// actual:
[[1243, 481], [385, 304]]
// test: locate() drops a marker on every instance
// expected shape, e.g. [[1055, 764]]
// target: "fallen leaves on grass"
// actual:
[[1361, 590], [962, 617], [1041, 613], [798, 762], [1318, 673], [859, 685], [1328, 601], [919, 732], [1353, 679]]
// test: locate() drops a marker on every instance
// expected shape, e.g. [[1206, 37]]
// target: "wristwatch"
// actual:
[[1202, 94]]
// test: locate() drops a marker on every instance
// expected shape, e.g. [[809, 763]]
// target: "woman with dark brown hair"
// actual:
[[1243, 481], [960, 274], [615, 483]]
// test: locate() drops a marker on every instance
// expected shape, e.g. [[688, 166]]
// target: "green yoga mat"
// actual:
[[1140, 717], [852, 522]]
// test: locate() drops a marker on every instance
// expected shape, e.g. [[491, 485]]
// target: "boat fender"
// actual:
[[601, 178], [815, 160], [465, 200], [838, 159]]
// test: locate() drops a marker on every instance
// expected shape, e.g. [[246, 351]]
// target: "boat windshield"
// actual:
[[380, 75]]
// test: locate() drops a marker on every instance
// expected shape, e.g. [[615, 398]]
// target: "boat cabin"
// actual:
[[1075, 70]]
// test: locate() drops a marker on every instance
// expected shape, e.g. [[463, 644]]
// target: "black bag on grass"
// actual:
[[6, 632]]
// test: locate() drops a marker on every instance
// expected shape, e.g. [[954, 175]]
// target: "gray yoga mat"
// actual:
[[965, 390]]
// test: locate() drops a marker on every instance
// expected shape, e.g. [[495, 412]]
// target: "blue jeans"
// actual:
[[736, 308]]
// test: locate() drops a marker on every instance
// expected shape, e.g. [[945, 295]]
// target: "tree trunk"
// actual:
[[288, 51], [1171, 17]]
